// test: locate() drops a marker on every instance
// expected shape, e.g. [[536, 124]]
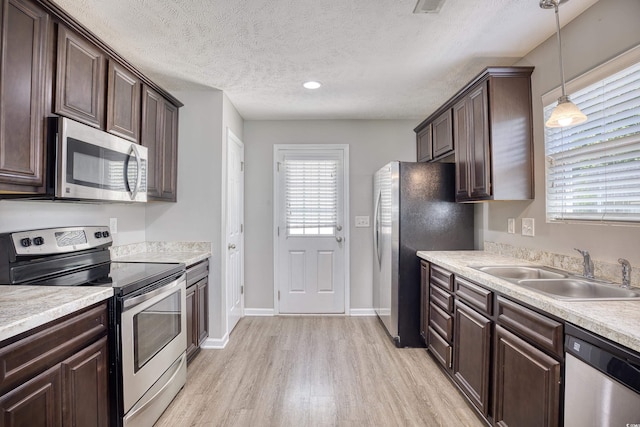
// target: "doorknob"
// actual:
[[338, 239], [231, 246], [339, 227]]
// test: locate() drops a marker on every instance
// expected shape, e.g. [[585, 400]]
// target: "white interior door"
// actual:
[[235, 230], [311, 247]]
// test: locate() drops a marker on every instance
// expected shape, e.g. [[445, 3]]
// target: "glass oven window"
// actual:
[[154, 328]]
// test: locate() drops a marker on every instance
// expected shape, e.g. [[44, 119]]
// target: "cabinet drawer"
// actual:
[[441, 277], [52, 344], [440, 348], [441, 322], [539, 329], [441, 298], [476, 296], [197, 272]]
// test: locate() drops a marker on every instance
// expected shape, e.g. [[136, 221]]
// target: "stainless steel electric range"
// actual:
[[147, 316]]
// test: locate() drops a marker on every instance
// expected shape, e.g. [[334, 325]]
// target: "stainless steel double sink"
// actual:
[[560, 284]]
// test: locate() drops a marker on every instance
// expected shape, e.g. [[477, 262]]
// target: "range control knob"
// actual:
[[38, 241], [105, 234], [97, 234], [26, 242]]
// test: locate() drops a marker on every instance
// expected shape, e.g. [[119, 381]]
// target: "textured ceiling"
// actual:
[[375, 58]]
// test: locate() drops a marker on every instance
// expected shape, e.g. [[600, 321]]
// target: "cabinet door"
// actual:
[[471, 355], [461, 136], [35, 403], [151, 137], [80, 81], [479, 159], [424, 299], [526, 383], [123, 103], [442, 135], [202, 288], [169, 159], [424, 144], [192, 321], [85, 393], [22, 86]]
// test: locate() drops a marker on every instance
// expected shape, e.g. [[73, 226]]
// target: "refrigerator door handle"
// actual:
[[376, 229]]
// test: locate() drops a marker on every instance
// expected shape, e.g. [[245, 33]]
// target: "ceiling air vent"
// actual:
[[428, 6]]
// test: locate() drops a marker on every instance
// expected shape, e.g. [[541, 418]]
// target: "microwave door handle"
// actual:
[[136, 153]]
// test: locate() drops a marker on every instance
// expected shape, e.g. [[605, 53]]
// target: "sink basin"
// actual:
[[577, 289], [520, 272]]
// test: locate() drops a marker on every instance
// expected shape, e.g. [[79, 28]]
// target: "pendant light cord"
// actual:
[[560, 48]]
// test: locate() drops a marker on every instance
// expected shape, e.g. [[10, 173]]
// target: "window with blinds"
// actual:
[[311, 192], [593, 169]]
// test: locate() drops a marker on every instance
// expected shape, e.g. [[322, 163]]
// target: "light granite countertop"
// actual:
[[188, 253], [26, 307], [618, 321]]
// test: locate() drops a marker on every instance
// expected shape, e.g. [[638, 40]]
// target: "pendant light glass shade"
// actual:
[[565, 114]]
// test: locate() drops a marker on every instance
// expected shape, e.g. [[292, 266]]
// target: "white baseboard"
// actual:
[[216, 343], [362, 312], [259, 312]]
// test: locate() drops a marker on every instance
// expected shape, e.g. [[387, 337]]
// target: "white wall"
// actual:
[[20, 215], [603, 31], [371, 145]]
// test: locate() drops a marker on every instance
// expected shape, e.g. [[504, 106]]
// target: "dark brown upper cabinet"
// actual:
[[425, 144], [24, 33], [160, 135], [80, 79], [123, 102], [488, 125], [442, 135]]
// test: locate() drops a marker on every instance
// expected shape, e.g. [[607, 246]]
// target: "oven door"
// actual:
[[96, 165], [154, 335]]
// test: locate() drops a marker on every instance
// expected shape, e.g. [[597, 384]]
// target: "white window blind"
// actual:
[[593, 169], [311, 196]]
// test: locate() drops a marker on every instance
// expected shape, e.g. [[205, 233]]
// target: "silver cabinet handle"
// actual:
[[231, 246], [338, 239]]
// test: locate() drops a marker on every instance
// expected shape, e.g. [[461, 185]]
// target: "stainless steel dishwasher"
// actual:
[[602, 382]]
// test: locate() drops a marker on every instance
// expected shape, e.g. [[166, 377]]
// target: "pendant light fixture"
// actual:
[[566, 112]]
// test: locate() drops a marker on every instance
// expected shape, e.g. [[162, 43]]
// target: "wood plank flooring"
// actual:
[[316, 371]]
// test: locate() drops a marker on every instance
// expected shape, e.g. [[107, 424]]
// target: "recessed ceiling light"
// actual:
[[311, 85]]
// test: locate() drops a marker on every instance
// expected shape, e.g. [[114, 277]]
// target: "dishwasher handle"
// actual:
[[621, 369]]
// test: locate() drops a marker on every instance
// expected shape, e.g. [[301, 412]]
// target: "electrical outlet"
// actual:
[[113, 225], [528, 227], [511, 225], [362, 221]]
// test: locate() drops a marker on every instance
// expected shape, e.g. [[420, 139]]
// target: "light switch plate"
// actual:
[[362, 221], [528, 227], [511, 225]]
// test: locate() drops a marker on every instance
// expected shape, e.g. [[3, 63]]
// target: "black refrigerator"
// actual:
[[414, 209]]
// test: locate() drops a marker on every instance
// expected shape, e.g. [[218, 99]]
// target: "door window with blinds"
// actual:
[[593, 169], [311, 195]]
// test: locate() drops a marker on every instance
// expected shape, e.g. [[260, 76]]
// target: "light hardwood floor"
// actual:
[[315, 371]]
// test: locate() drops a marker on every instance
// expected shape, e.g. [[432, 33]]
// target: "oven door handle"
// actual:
[[128, 303]]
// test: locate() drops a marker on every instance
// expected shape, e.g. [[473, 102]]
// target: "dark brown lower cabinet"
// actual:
[[197, 307], [35, 403], [57, 375], [424, 299], [472, 352], [85, 394], [526, 383]]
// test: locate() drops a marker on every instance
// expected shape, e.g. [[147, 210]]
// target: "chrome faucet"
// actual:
[[587, 264], [626, 273]]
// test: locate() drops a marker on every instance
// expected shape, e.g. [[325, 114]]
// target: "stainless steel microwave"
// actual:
[[85, 163]]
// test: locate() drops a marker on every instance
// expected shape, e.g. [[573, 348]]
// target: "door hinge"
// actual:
[[242, 290], [241, 166], [242, 228], [278, 231], [278, 166], [278, 295]]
